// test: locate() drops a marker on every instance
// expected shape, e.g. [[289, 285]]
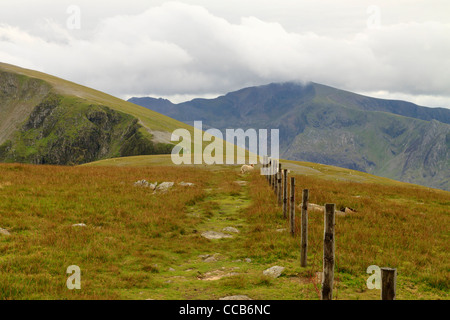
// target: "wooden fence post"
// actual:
[[292, 206], [270, 172], [280, 186], [388, 283], [304, 244], [328, 252], [285, 194], [275, 183], [275, 166]]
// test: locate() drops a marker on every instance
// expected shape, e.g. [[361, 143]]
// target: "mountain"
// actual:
[[48, 120], [318, 123]]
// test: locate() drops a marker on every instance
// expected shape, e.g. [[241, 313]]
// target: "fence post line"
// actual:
[[285, 193], [292, 207], [328, 252], [388, 283], [304, 243]]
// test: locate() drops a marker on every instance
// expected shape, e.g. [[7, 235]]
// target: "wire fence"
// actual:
[[315, 275]]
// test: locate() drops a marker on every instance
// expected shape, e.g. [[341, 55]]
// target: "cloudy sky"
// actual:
[[205, 48]]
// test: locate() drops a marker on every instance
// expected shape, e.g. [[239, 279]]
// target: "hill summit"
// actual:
[[390, 138], [48, 120]]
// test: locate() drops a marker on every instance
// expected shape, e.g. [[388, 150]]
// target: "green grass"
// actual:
[[150, 118], [140, 245]]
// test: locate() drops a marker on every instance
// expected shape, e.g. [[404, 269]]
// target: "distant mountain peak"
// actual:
[[319, 123]]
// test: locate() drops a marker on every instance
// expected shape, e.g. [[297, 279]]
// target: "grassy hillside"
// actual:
[[139, 245], [45, 119], [151, 119]]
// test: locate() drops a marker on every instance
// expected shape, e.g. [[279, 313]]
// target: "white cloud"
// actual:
[[182, 49]]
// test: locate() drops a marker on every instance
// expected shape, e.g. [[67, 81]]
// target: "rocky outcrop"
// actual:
[[58, 132]]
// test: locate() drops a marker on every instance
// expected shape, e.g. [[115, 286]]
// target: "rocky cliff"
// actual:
[[40, 126]]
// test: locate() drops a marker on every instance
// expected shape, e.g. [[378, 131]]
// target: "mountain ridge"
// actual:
[[46, 119], [330, 126]]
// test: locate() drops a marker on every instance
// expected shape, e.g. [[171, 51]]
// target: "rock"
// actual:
[[216, 275], [171, 269], [144, 183], [248, 260], [230, 229], [210, 259], [186, 184], [79, 225], [349, 210], [281, 230], [163, 187], [274, 271], [4, 232], [215, 235], [141, 183], [238, 297]]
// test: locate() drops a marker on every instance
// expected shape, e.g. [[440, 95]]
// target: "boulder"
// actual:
[[144, 183], [230, 229], [186, 184], [349, 210], [211, 259], [274, 271], [215, 235], [164, 186], [4, 232], [141, 183]]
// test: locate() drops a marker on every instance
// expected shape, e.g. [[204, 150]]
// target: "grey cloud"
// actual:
[[177, 48]]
